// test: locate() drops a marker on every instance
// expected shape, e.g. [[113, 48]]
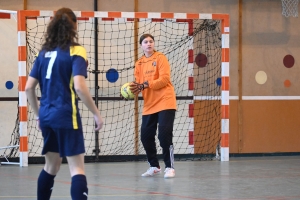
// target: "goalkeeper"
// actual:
[[152, 79]]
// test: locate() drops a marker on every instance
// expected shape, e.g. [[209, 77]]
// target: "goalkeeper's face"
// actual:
[[148, 45]]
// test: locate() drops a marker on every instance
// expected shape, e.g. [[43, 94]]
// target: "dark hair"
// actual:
[[145, 36], [61, 31]]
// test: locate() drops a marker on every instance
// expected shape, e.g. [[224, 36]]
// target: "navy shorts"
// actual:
[[66, 142]]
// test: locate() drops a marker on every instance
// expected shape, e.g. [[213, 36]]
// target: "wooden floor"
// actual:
[[262, 178]]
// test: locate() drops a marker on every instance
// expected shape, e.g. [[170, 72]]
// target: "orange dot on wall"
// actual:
[[287, 83]]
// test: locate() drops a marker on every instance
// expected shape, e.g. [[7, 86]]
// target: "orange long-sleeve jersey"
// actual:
[[156, 70]]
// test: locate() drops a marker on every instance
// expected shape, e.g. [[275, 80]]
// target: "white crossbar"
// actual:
[[8, 11]]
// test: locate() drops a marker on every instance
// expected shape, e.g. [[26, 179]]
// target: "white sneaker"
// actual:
[[169, 172], [152, 171]]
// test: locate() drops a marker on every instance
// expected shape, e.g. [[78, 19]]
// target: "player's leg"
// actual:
[[165, 136], [76, 164], [47, 175], [53, 162], [72, 146], [148, 132], [79, 189], [52, 165]]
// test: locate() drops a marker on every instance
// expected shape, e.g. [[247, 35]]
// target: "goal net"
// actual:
[[197, 51]]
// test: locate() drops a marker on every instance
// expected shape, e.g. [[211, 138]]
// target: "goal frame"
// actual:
[[224, 19]]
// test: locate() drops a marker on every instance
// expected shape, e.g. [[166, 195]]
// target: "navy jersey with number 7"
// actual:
[[55, 71]]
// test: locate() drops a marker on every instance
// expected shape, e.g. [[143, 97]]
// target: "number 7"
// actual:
[[52, 55]]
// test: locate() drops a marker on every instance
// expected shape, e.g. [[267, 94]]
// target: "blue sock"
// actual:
[[79, 190], [45, 185]]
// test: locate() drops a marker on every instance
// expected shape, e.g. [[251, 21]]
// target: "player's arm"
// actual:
[[84, 94], [31, 95], [162, 81]]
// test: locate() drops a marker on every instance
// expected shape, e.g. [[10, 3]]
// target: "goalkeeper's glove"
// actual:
[[138, 87]]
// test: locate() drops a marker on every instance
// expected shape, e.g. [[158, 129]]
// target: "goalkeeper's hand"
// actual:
[[136, 88]]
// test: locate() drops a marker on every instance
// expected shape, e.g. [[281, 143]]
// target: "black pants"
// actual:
[[165, 121]]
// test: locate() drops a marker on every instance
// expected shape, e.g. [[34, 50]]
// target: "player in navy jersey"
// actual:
[[60, 70]]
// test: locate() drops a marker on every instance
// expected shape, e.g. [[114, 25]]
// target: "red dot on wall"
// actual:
[[288, 61], [201, 60]]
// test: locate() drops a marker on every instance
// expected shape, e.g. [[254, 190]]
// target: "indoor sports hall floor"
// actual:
[[262, 178]]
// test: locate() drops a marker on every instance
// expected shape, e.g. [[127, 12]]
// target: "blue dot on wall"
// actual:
[[9, 85], [219, 81], [112, 75]]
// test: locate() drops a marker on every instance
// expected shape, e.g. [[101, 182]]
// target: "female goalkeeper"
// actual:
[[152, 79]]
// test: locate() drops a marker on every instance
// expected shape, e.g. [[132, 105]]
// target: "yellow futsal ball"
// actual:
[[126, 92]]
